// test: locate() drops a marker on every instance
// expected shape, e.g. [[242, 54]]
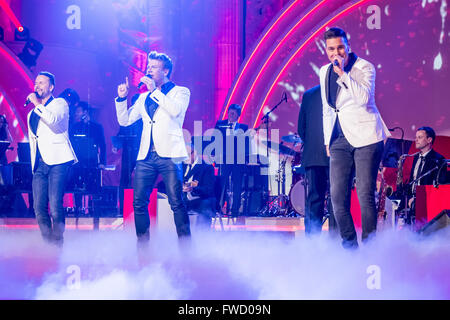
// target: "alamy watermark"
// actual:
[[373, 282]]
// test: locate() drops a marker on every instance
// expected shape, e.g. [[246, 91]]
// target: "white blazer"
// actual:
[[359, 118], [167, 123], [52, 135]]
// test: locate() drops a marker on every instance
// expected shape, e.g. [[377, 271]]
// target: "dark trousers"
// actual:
[[236, 171], [49, 182], [205, 209], [144, 180], [317, 178], [345, 162]]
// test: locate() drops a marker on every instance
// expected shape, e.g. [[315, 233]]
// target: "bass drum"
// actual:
[[297, 197]]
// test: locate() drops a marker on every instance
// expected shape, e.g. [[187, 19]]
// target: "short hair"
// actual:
[[167, 62], [71, 97], [50, 76], [335, 33], [235, 107], [84, 106], [429, 132]]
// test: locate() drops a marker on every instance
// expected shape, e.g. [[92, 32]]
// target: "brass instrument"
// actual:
[[401, 193], [401, 160], [385, 191], [399, 180]]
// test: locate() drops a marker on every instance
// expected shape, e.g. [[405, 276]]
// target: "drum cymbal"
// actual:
[[280, 147], [292, 138]]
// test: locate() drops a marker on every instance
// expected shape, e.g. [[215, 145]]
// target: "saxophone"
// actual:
[[385, 191], [399, 181], [400, 185]]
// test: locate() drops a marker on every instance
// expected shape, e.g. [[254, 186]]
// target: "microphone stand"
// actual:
[[436, 181], [413, 187], [266, 119], [403, 141]]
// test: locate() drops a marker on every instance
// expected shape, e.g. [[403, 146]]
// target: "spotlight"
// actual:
[[22, 34], [31, 52]]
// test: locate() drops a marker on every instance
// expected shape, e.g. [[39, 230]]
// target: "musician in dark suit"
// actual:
[[198, 188], [315, 161], [233, 132], [425, 160], [85, 127]]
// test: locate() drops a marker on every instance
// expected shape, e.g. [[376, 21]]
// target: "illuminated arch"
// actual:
[[303, 45], [15, 85], [292, 30]]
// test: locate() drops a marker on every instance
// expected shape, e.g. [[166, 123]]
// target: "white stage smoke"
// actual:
[[223, 265]]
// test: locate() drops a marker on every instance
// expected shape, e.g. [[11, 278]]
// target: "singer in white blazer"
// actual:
[[353, 134], [51, 156], [162, 109]]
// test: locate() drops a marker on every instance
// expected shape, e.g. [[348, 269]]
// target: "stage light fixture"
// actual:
[[22, 34], [31, 52]]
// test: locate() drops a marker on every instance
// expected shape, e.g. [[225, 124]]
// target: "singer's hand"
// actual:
[[122, 89], [149, 83], [327, 148], [33, 99], [339, 69]]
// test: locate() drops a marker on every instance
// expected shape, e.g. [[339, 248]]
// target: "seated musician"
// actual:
[[198, 188], [427, 160]]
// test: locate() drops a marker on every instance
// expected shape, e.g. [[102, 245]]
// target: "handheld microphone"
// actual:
[[29, 101], [336, 63], [141, 83]]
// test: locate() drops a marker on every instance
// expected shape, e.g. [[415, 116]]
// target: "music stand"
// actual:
[[23, 152], [393, 149]]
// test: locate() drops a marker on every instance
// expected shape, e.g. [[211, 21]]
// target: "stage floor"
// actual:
[[254, 258], [294, 225]]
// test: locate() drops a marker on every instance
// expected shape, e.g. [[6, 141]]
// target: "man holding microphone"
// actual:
[[162, 148], [51, 156], [353, 134]]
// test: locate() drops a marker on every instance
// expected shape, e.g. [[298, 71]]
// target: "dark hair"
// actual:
[[335, 33], [50, 76], [236, 107], [71, 97], [167, 62], [84, 106], [429, 132]]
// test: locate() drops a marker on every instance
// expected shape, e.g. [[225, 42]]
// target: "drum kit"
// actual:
[[288, 173]]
